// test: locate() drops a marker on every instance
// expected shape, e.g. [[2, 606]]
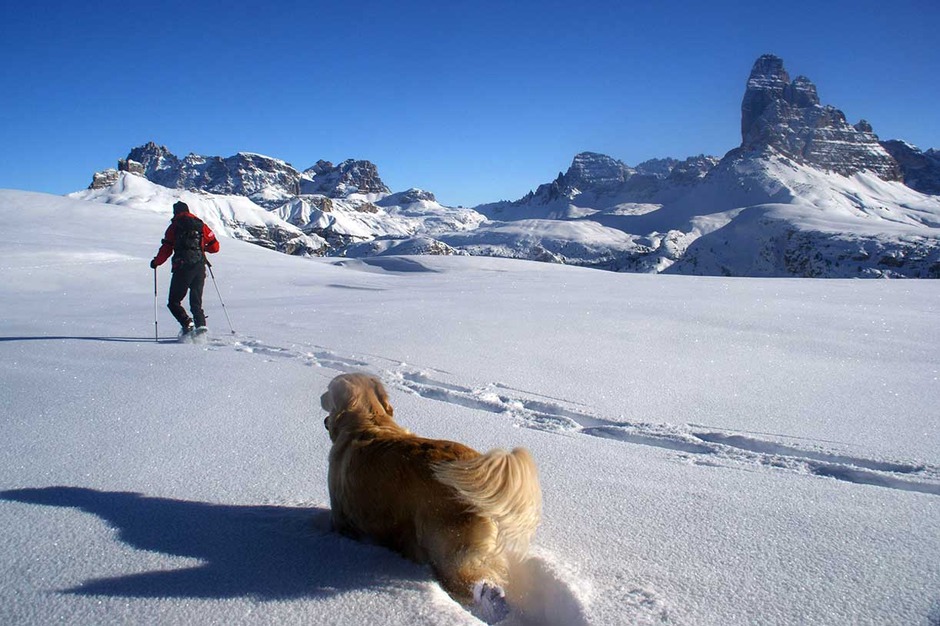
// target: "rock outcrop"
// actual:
[[598, 178], [692, 170], [921, 170], [350, 176], [786, 116], [404, 198], [660, 168], [597, 172]]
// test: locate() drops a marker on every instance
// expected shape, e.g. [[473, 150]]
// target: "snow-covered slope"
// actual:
[[358, 218], [305, 224], [811, 223], [712, 451], [228, 216], [752, 215]]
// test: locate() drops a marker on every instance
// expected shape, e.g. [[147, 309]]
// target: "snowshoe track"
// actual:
[[692, 443], [546, 593]]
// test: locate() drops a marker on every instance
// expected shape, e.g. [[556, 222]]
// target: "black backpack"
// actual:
[[187, 250]]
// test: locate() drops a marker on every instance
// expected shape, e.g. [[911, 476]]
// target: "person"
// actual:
[[188, 239]]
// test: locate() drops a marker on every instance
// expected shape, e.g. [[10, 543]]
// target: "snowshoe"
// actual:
[[200, 334], [187, 333]]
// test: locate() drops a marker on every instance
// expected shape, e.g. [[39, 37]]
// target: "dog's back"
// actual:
[[386, 490]]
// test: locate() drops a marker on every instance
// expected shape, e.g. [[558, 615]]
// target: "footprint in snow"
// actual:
[[710, 447]]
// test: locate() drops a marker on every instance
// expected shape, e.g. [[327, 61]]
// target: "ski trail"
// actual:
[[701, 445]]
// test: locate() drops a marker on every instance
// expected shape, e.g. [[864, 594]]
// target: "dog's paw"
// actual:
[[489, 602]]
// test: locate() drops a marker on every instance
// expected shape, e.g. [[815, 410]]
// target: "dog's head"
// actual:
[[351, 398]]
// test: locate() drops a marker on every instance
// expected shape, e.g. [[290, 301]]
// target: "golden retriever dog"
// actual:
[[469, 515]]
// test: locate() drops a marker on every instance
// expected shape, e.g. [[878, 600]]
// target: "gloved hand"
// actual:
[[153, 263]]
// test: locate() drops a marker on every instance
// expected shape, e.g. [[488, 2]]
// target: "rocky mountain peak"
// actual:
[[659, 168], [150, 152], [153, 162], [787, 116], [692, 170], [350, 176], [267, 181], [405, 198], [802, 93], [921, 170], [320, 167], [597, 172]]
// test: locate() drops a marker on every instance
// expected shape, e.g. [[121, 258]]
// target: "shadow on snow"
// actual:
[[264, 552], [102, 339]]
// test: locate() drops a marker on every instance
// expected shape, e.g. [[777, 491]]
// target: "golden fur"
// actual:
[[468, 515]]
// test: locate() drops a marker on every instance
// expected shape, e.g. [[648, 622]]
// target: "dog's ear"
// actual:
[[326, 401], [382, 396]]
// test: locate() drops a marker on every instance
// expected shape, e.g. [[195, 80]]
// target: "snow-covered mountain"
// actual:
[[322, 210], [228, 215], [805, 194], [596, 182], [266, 181], [361, 218]]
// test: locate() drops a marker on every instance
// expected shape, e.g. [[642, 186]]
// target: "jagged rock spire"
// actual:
[[786, 116]]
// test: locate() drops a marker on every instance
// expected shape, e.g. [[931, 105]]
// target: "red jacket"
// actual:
[[209, 242]]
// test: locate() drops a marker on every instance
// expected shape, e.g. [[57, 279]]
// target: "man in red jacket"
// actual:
[[187, 239]]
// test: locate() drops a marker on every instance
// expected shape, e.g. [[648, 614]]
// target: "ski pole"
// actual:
[[156, 331], [224, 310]]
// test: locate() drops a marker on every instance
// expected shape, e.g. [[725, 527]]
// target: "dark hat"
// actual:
[[180, 207]]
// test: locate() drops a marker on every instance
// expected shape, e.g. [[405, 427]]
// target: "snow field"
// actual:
[[712, 451]]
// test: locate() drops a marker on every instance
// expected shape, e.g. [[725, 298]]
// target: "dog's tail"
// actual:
[[500, 485]]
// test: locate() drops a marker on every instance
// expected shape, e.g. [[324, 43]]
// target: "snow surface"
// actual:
[[712, 450]]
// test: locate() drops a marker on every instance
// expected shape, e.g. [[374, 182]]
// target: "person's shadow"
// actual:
[[263, 552]]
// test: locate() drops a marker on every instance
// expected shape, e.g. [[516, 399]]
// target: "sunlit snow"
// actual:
[[712, 450]]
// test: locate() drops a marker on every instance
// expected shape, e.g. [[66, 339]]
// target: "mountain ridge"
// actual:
[[267, 181], [804, 194]]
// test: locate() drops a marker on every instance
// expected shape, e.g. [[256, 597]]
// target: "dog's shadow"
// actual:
[[263, 552]]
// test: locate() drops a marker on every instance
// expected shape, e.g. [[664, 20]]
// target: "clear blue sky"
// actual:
[[474, 101]]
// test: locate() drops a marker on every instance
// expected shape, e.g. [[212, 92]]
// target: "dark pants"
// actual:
[[192, 279]]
